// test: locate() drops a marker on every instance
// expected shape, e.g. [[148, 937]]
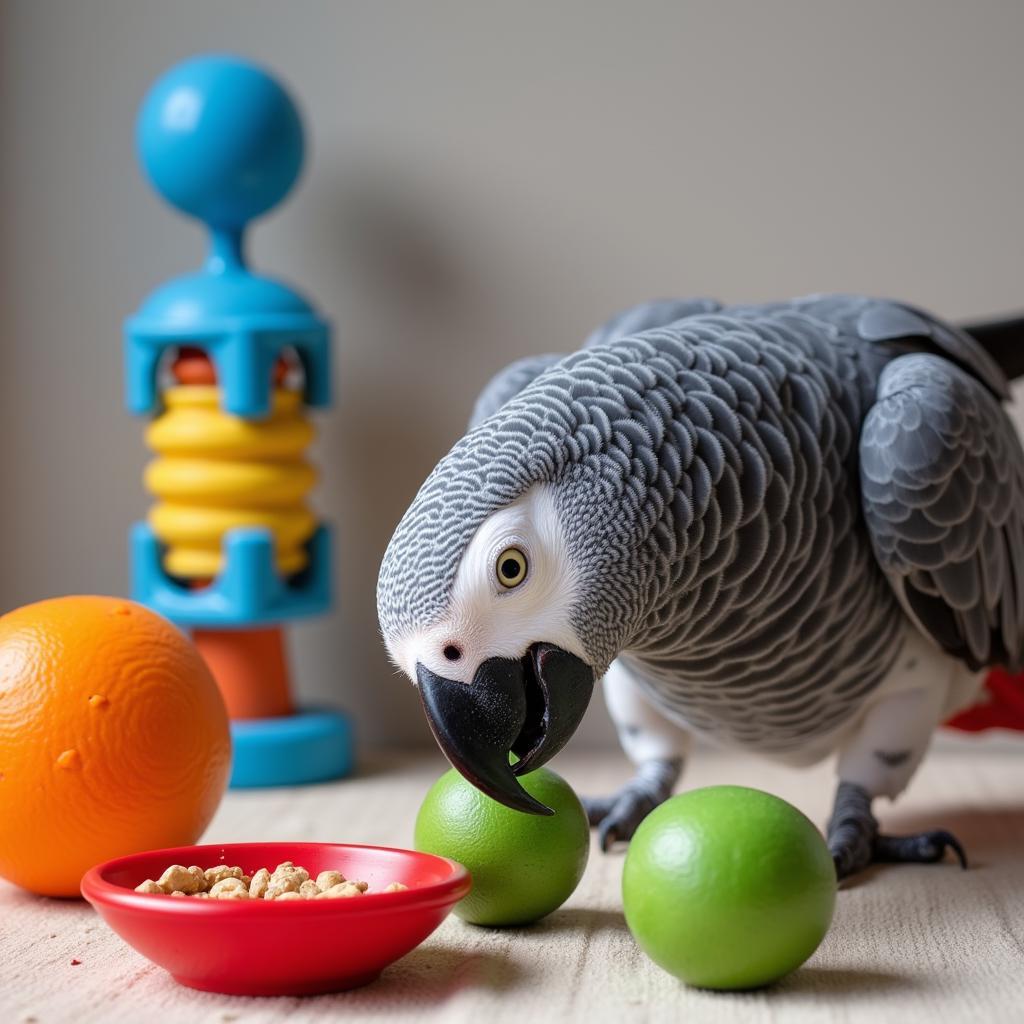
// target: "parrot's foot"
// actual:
[[855, 842], [618, 816]]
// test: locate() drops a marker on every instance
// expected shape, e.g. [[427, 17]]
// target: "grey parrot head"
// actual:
[[513, 581]]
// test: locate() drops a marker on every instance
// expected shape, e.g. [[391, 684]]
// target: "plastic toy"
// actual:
[[256, 947], [795, 528], [228, 361]]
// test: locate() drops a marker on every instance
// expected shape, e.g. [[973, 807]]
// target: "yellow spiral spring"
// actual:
[[216, 472]]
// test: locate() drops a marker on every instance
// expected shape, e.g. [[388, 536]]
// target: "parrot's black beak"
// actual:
[[528, 706]]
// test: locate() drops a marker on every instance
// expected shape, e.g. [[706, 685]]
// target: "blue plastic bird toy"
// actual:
[[227, 360]]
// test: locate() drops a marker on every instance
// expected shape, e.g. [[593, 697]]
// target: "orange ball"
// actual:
[[113, 739]]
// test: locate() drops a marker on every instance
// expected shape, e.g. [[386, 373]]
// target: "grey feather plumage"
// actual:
[[508, 383], [706, 465], [942, 483], [642, 318]]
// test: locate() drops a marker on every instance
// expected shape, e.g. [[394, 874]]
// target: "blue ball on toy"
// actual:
[[220, 139]]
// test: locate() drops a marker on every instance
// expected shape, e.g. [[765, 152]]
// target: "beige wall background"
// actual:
[[484, 181]]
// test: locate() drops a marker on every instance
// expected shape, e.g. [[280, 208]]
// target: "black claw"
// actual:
[[607, 835], [624, 818], [852, 848], [618, 816], [852, 830], [926, 848], [855, 842], [849, 861], [961, 853]]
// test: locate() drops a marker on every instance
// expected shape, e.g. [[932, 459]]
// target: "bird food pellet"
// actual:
[[286, 882]]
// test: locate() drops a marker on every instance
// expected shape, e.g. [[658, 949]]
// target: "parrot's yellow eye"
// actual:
[[511, 568]]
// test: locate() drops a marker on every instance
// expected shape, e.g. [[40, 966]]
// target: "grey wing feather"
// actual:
[[506, 384], [895, 324], [903, 326], [891, 319], [942, 481], [648, 315]]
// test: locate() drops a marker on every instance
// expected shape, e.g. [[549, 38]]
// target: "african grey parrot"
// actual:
[[794, 528]]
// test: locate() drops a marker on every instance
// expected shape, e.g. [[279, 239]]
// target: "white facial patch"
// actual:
[[488, 620]]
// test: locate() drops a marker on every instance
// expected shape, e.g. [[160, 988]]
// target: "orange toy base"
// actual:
[[250, 668]]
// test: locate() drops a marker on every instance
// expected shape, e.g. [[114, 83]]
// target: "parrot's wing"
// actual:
[[900, 325], [506, 384], [649, 315], [942, 482]]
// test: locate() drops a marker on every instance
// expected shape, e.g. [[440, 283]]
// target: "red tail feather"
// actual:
[[1001, 705]]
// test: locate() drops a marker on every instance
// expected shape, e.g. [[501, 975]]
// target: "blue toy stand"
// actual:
[[248, 591], [243, 348], [222, 141], [313, 745]]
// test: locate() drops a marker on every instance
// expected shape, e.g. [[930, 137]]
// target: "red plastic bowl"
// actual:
[[267, 948]]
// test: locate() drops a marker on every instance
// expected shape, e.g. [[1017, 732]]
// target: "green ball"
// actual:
[[523, 865], [728, 887]]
